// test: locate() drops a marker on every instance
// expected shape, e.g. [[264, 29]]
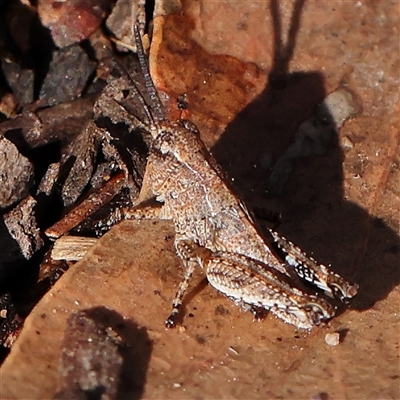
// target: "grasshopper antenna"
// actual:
[[156, 105], [145, 106], [139, 96]]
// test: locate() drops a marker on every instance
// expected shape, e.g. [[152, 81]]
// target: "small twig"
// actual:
[[88, 207]]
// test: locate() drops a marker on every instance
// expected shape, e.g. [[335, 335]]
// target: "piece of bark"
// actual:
[[16, 174], [71, 64], [22, 226], [82, 152], [91, 363], [27, 123], [64, 121], [73, 21], [120, 104], [21, 80], [49, 179]]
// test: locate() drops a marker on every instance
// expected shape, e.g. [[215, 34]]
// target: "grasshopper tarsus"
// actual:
[[170, 322], [174, 318]]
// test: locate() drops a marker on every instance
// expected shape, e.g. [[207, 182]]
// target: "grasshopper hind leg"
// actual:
[[317, 274], [250, 284], [261, 288]]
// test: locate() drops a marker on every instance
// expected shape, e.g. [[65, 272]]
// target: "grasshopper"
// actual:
[[215, 231]]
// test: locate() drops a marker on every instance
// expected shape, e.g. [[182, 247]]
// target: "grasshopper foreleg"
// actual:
[[186, 250]]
